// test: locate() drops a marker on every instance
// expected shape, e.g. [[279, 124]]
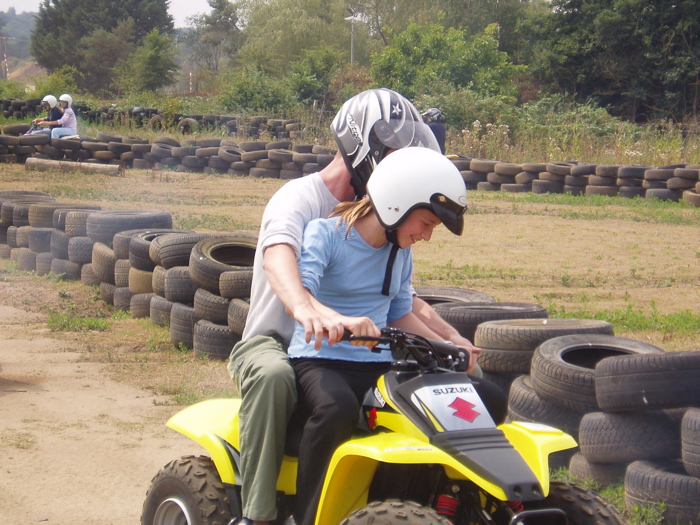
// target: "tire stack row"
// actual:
[[196, 284], [39, 235], [624, 401], [19, 108], [648, 430], [667, 183], [278, 159]]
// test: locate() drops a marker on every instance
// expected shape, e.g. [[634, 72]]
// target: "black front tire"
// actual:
[[187, 491], [582, 507], [390, 512]]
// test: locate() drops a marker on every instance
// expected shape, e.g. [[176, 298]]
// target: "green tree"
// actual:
[[101, 50], [61, 25], [279, 33], [430, 58], [641, 58], [215, 37], [151, 67]]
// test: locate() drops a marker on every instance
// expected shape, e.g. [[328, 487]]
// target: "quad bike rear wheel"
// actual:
[[394, 511], [582, 507], [187, 491]]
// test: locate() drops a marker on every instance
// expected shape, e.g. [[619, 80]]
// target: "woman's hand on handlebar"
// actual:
[[361, 327], [467, 345]]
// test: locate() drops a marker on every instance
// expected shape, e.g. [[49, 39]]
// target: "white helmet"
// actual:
[[371, 124], [66, 98], [50, 100], [412, 178]]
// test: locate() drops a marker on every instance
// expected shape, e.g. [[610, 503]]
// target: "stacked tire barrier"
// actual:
[[676, 182], [196, 284], [270, 159], [283, 159], [633, 408]]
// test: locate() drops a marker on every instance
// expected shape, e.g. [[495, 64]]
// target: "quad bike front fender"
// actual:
[[354, 463], [535, 442], [211, 424]]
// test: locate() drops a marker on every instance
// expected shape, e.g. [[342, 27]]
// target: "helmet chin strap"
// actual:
[[391, 237]]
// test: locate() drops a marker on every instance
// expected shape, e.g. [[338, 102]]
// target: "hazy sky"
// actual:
[[180, 9]]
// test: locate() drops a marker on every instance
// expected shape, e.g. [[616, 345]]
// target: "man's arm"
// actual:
[[282, 270]]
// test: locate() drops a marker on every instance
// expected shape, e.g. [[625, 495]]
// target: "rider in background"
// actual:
[[435, 121], [66, 125], [358, 263], [50, 103]]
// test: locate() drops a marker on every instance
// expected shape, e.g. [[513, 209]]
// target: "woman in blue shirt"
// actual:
[[358, 264]]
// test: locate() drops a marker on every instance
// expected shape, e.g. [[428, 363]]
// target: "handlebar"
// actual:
[[429, 353]]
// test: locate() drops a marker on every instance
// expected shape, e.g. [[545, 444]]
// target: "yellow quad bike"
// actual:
[[426, 451]]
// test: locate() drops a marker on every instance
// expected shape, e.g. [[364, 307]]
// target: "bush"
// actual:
[[249, 89], [9, 89], [63, 80]]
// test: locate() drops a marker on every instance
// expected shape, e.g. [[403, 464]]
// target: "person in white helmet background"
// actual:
[[359, 264], [436, 122], [50, 103], [67, 124], [368, 127]]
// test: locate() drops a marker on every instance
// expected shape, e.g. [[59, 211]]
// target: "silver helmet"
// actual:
[[370, 125]]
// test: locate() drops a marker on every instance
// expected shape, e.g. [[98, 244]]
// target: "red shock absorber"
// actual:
[[516, 506], [446, 506]]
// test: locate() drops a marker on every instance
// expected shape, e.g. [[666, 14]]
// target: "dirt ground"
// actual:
[[76, 447], [82, 414]]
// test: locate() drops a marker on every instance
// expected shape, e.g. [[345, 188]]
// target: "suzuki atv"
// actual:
[[426, 451]]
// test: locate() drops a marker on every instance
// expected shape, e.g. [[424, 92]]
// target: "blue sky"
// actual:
[[180, 9]]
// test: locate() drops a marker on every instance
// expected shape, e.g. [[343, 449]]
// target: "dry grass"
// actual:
[[561, 253]]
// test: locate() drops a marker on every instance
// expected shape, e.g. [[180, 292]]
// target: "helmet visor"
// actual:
[[399, 133], [449, 212]]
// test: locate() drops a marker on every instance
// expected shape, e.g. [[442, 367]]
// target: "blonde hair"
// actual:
[[350, 212]]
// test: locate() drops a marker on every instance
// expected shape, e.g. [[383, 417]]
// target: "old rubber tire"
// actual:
[[237, 315], [690, 440], [650, 482], [465, 317], [562, 368], [140, 305], [101, 226], [213, 340], [525, 405], [508, 344], [445, 294], [210, 306], [175, 249], [216, 255], [236, 284], [666, 380], [187, 491], [182, 320], [629, 436], [160, 311], [179, 286], [603, 474], [390, 512], [582, 507]]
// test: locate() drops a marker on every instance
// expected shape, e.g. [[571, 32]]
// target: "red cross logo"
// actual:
[[463, 410]]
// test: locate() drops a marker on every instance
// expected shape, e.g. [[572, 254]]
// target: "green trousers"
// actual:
[[265, 380]]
